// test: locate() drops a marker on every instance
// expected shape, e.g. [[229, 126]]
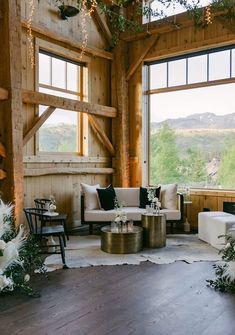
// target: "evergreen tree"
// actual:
[[226, 173], [164, 157], [193, 168]]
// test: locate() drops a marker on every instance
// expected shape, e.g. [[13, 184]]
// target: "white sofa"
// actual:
[[172, 208], [213, 224]]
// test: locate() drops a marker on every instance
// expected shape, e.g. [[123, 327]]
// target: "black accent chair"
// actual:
[[60, 219], [37, 219]]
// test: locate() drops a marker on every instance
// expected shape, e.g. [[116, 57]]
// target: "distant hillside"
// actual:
[[200, 121], [59, 137]]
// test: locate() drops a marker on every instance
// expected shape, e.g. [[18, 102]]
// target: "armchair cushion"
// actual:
[[107, 197], [169, 196], [90, 196]]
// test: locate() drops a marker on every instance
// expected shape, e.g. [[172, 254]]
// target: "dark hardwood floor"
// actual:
[[144, 299]]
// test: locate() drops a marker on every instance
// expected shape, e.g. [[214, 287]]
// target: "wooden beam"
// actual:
[[101, 23], [3, 94], [2, 150], [37, 124], [150, 43], [38, 98], [11, 116], [65, 171], [104, 138], [60, 159], [191, 86], [3, 174], [121, 125], [46, 33]]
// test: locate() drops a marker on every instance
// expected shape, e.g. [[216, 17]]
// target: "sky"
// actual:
[[214, 99]]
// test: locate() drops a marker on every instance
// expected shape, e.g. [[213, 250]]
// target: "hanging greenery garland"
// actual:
[[119, 22]]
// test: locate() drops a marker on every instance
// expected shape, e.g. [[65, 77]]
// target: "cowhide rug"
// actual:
[[83, 251]]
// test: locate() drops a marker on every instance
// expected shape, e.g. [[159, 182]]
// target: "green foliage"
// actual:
[[30, 261], [193, 167], [224, 282], [164, 156], [226, 173]]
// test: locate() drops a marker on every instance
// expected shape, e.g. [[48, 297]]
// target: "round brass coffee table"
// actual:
[[154, 230], [121, 243]]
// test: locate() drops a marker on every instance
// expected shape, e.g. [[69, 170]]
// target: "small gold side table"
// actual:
[[154, 230], [129, 242]]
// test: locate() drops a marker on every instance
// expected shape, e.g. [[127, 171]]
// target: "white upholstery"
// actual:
[[91, 197], [213, 224], [130, 196], [169, 196], [133, 213]]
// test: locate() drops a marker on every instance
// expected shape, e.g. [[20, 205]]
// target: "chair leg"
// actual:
[[90, 229], [65, 229], [62, 252], [64, 240]]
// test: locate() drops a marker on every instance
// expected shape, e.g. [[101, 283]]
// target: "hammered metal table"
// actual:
[[154, 230], [121, 243]]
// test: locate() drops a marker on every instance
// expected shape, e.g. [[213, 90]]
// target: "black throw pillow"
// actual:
[[107, 197], [144, 196]]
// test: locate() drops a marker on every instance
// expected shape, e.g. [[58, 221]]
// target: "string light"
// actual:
[[208, 18], [29, 31]]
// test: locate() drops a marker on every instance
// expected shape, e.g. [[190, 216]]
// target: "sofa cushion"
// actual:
[[90, 196], [144, 196], [169, 196], [107, 197], [133, 213], [129, 196]]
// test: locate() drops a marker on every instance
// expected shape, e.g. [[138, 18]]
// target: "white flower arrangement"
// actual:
[[153, 198], [18, 254], [120, 215]]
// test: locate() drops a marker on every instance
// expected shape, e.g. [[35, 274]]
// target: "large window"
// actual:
[[192, 120], [64, 78]]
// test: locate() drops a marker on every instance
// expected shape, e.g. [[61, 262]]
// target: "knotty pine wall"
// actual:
[[66, 188], [175, 42]]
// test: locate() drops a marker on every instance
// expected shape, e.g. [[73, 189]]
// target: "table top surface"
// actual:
[[187, 202], [135, 230], [151, 214]]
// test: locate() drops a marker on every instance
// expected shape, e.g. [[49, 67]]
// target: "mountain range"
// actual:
[[200, 121]]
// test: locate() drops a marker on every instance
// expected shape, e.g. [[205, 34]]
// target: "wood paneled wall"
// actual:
[[171, 43], [65, 187], [211, 199]]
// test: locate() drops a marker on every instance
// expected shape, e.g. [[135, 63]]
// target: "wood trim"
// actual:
[[2, 150], [66, 171], [184, 49], [172, 23], [134, 66], [101, 23], [3, 94], [37, 124], [44, 32], [3, 174], [59, 159], [38, 98], [101, 134], [190, 86]]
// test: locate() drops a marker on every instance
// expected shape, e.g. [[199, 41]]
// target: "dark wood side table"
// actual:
[[154, 230], [129, 242]]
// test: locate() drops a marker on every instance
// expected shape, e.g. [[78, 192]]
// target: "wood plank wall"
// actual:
[[66, 188], [172, 43]]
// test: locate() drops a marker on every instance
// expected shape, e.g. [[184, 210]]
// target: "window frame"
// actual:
[[62, 53], [147, 92]]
